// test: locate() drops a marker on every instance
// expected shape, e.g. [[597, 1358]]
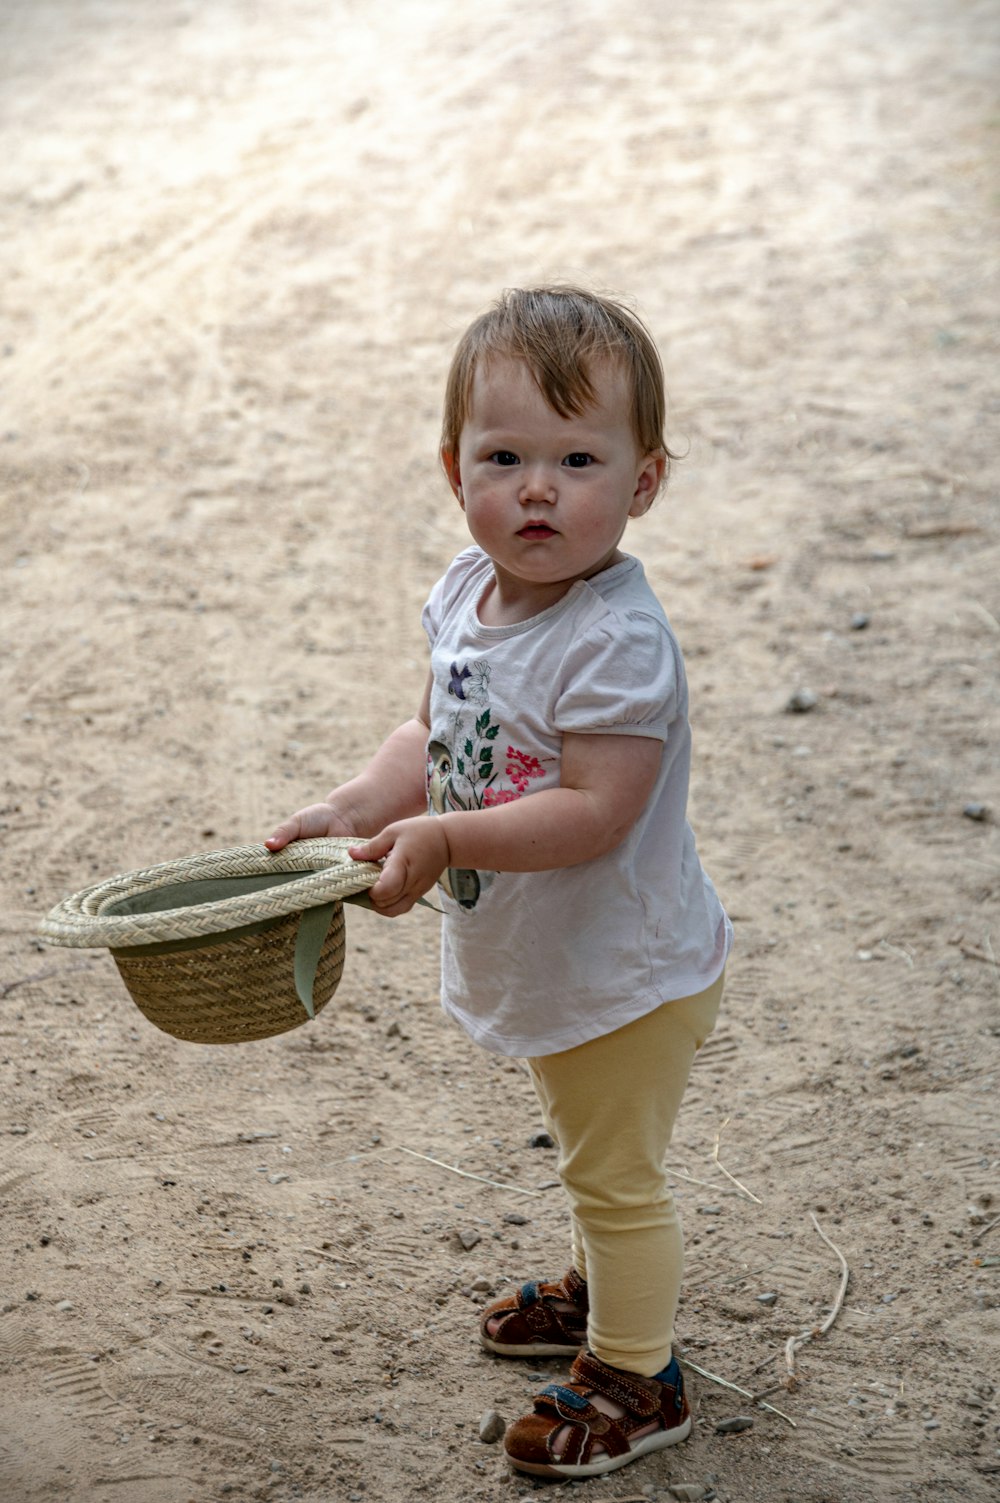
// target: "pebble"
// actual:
[[541, 1140], [689, 1492], [709, 1210], [735, 1425], [514, 1218], [801, 702], [978, 812], [482, 1285], [469, 1238], [770, 1298], [860, 620], [491, 1427], [65, 1304]]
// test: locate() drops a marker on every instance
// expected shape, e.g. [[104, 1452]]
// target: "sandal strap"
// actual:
[[576, 1289], [566, 1405], [589, 1372]]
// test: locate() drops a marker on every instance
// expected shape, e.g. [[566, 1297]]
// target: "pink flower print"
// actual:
[[521, 767], [494, 796]]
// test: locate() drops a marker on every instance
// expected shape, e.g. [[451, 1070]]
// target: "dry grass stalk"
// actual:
[[497, 1184], [794, 1342], [735, 1387], [715, 1158]]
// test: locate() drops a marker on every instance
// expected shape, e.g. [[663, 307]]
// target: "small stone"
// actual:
[[801, 702], [770, 1298], [469, 1238], [482, 1285], [860, 620], [514, 1218], [932, 1424], [977, 812], [276, 1179], [65, 1304], [709, 1210], [689, 1492], [735, 1425], [541, 1140], [19, 1130], [491, 1427]]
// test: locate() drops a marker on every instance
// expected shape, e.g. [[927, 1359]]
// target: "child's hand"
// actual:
[[308, 824], [416, 853]]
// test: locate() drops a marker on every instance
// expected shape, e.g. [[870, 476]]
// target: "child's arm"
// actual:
[[605, 782], [392, 787]]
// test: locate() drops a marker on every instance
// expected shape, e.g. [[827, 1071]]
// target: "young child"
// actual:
[[543, 783]]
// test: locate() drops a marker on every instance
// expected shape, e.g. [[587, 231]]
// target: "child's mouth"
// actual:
[[536, 530]]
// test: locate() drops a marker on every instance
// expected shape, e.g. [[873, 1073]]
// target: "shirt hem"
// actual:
[[582, 1031]]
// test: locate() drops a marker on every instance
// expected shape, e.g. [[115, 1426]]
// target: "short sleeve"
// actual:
[[450, 588], [622, 677]]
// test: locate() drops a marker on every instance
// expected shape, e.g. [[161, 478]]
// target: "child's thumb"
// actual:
[[370, 850]]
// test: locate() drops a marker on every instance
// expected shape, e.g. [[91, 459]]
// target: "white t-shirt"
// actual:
[[537, 962]]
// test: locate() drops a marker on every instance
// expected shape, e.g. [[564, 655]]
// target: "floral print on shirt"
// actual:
[[462, 772]]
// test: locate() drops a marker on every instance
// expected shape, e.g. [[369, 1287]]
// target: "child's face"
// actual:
[[548, 497]]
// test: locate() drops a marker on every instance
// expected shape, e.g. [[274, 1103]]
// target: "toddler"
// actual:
[[543, 784]]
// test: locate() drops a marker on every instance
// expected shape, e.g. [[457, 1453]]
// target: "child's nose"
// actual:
[[538, 484]]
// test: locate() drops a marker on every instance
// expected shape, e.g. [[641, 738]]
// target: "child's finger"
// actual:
[[372, 850], [284, 834]]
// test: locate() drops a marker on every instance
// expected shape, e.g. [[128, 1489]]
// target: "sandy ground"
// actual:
[[238, 243]]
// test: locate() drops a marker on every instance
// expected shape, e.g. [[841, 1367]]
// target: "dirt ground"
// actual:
[[238, 244]]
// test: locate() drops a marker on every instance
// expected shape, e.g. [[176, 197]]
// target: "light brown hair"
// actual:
[[559, 332]]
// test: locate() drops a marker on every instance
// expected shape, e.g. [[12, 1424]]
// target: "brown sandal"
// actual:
[[531, 1326], [659, 1402]]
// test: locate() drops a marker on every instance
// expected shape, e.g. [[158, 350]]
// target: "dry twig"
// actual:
[[715, 1158], [725, 1383], [497, 1184], [10, 986], [984, 1229], [679, 1174], [794, 1342]]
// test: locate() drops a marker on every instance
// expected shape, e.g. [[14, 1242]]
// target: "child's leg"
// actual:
[[612, 1104], [578, 1251]]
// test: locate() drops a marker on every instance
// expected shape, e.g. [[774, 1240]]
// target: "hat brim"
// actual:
[[148, 906]]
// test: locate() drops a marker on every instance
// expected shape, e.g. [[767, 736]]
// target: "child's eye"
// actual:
[[578, 461], [504, 457]]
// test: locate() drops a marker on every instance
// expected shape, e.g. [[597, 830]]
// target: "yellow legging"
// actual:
[[611, 1104]]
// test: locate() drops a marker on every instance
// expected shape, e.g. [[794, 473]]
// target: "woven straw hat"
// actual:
[[225, 946]]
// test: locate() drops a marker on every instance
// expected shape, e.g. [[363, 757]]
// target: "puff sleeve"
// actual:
[[624, 676]]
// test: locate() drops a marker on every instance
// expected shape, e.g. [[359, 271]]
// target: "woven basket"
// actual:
[[227, 946]]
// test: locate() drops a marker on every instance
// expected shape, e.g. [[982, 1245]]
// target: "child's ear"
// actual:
[[647, 483], [449, 463]]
